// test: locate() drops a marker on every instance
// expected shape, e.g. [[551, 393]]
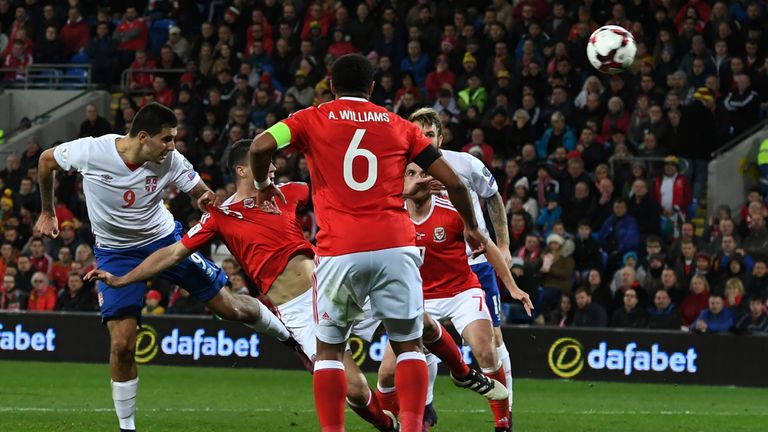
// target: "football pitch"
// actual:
[[76, 397]]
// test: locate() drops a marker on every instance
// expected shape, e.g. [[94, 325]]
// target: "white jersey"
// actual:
[[478, 179], [125, 206]]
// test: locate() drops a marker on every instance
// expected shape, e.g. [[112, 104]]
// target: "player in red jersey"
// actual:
[[272, 250], [357, 152], [452, 291]]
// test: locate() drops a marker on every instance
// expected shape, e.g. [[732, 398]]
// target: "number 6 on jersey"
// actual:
[[353, 151]]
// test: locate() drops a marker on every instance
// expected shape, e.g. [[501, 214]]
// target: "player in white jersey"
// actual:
[[123, 180], [481, 184]]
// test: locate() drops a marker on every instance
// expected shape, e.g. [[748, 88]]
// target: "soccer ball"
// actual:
[[611, 49]]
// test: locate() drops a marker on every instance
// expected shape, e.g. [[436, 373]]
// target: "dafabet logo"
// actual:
[[567, 357]]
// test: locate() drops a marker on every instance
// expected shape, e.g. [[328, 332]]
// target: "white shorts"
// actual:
[[297, 317], [461, 309], [389, 278]]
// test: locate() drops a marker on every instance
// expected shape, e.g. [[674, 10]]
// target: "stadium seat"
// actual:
[[46, 77], [79, 58], [158, 35], [74, 79]]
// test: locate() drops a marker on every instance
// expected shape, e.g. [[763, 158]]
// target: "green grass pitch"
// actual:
[[52, 397]]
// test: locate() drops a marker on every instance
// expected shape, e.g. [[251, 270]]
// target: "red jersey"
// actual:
[[357, 152], [262, 243], [137, 43], [440, 237]]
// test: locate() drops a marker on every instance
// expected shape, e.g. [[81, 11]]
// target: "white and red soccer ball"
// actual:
[[611, 49]]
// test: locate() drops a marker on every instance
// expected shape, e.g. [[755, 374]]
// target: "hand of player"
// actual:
[[476, 241], [521, 295], [269, 193], [48, 225], [270, 207], [436, 188], [208, 199], [104, 276], [417, 186]]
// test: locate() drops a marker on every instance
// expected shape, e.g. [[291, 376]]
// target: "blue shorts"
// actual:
[[202, 278], [484, 272]]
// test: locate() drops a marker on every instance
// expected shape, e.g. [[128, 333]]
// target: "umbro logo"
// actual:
[[106, 178]]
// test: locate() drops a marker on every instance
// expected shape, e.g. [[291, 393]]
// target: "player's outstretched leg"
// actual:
[[122, 364], [386, 391], [250, 312], [503, 353], [479, 335], [364, 401], [430, 415], [330, 386], [439, 342]]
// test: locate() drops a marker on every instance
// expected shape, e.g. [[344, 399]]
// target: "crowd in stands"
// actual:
[[601, 175]]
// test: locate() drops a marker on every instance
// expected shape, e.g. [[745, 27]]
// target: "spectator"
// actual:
[[696, 301], [75, 34], [24, 273], [580, 207], [12, 299], [588, 314], [663, 315], [619, 233], [631, 315], [49, 49], [549, 215], [179, 44], [185, 304], [162, 93], [477, 144], [743, 105], [84, 258], [40, 259], [131, 34], [152, 303], [715, 319], [529, 204], [76, 297], [140, 78], [94, 125], [644, 209], [757, 286], [301, 90], [563, 315], [756, 321], [416, 62], [18, 60], [673, 190], [756, 241], [685, 267], [473, 95], [62, 267], [556, 268], [557, 135], [43, 295]]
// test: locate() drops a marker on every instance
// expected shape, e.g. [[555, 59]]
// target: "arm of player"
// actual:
[[47, 224], [204, 195], [153, 265], [498, 215], [261, 151], [496, 260]]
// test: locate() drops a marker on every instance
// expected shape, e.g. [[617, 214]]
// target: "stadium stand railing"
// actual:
[[50, 76]]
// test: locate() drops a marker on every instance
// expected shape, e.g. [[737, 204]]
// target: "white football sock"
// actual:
[[269, 323], [504, 357], [124, 396], [432, 375]]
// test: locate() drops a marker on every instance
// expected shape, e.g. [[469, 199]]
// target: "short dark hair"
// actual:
[[152, 119], [582, 289], [238, 155], [352, 73]]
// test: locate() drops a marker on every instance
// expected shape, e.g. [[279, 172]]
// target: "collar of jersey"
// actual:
[[431, 209], [352, 98]]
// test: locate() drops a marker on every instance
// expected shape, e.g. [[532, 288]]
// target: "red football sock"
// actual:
[[330, 385], [411, 382], [446, 350], [372, 412], [500, 409], [388, 400]]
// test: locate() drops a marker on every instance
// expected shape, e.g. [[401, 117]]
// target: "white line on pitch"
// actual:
[[519, 411]]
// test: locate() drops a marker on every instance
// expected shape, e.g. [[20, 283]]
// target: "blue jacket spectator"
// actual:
[[549, 215], [557, 135], [417, 63], [715, 319], [620, 232]]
